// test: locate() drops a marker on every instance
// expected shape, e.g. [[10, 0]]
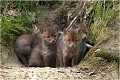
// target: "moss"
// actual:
[[107, 55], [103, 53], [100, 58]]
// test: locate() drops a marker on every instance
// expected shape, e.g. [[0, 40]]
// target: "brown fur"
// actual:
[[84, 30], [68, 48], [38, 57], [84, 35], [23, 46], [45, 52], [67, 53]]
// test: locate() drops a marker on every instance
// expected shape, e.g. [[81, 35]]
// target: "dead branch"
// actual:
[[101, 41], [89, 46], [82, 9]]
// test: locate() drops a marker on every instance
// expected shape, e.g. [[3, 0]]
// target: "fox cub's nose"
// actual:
[[52, 40], [72, 45]]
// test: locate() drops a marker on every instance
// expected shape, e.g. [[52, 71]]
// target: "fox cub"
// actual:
[[44, 54], [84, 35], [71, 48], [23, 45], [68, 48]]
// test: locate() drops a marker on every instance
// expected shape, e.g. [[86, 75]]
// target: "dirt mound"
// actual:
[[47, 73]]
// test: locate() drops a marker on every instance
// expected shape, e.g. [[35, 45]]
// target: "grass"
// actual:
[[17, 22], [98, 15], [102, 16]]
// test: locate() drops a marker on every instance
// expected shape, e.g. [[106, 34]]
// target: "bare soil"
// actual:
[[83, 72], [94, 68]]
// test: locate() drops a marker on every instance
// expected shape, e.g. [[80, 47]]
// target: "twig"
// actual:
[[89, 46], [68, 17], [101, 41], [76, 17]]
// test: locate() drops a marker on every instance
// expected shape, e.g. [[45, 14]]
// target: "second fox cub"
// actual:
[[68, 48], [44, 54], [23, 45]]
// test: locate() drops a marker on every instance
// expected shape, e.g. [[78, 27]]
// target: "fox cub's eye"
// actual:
[[47, 36], [68, 39], [76, 40], [54, 36]]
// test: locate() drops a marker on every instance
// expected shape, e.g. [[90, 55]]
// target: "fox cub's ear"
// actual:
[[36, 30], [64, 32], [43, 30], [78, 31]]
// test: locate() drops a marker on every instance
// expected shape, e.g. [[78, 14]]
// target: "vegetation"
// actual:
[[103, 13], [17, 17]]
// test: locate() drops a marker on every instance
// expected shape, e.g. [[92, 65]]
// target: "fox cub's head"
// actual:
[[84, 32], [49, 35], [73, 38]]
